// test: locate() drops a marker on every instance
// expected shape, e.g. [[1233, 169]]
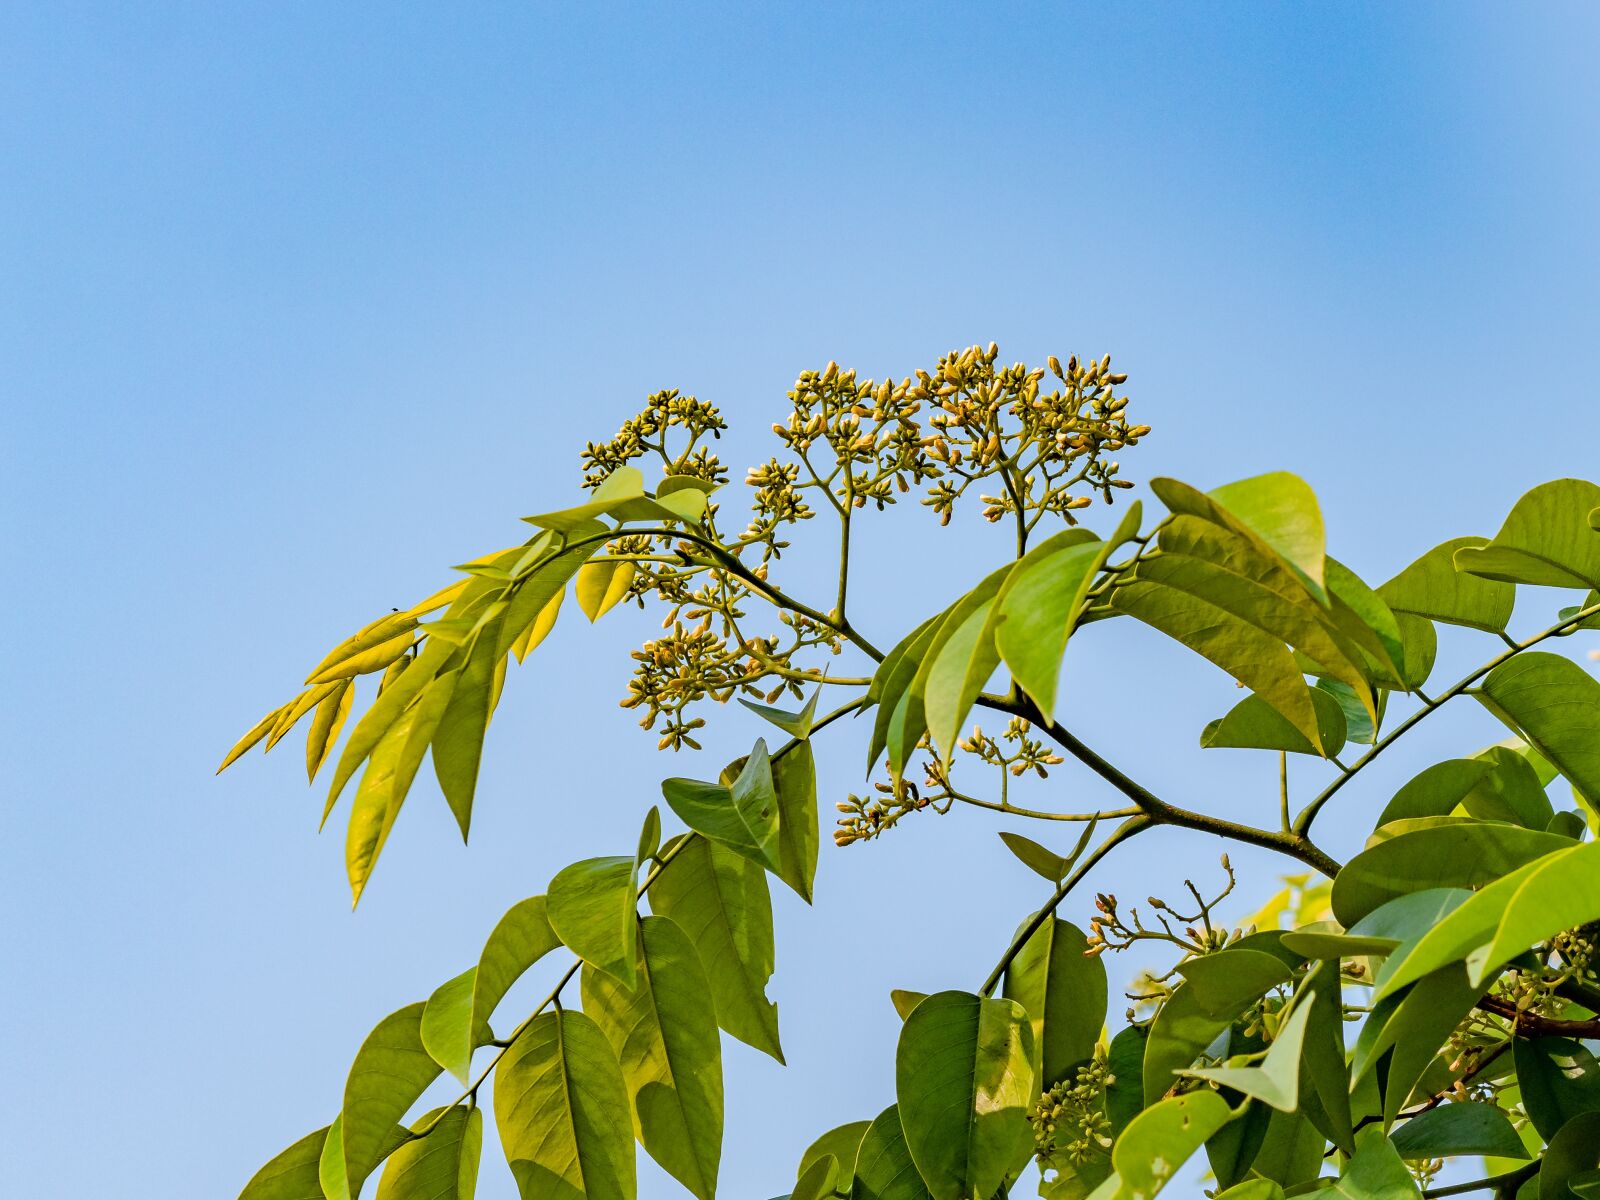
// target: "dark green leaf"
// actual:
[[1463, 1128], [721, 901], [898, 708], [592, 907], [1328, 1105], [562, 1111], [1125, 1092], [1432, 588], [742, 816], [1410, 1028], [1559, 1079], [884, 1170], [1359, 726], [1064, 995], [1035, 857], [1375, 1172], [1574, 1151], [666, 1040], [796, 725], [440, 1166], [964, 1082], [1554, 704]]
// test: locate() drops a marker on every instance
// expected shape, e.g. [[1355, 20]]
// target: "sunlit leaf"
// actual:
[[1206, 1004], [330, 717], [840, 1145], [385, 631], [1432, 588], [666, 1040], [957, 664], [1156, 1143], [443, 1165], [721, 901], [367, 661], [390, 1072], [884, 1169], [257, 731], [1407, 1029], [963, 1080], [905, 1001], [1546, 540], [290, 1174], [1459, 1128], [561, 1108], [1277, 1080], [898, 708], [1375, 1172], [458, 741], [592, 906], [602, 584], [794, 778], [1255, 724]]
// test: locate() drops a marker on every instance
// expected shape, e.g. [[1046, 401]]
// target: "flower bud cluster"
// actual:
[[1069, 1120]]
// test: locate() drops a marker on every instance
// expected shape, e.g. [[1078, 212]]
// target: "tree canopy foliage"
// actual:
[[1434, 998]]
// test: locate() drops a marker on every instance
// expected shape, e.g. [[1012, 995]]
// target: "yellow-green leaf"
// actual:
[[593, 909], [1432, 588], [330, 717], [601, 584], [1555, 704], [441, 1165], [291, 1174], [390, 1072], [1546, 540]]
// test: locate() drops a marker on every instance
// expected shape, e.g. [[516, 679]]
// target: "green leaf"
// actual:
[[957, 664], [440, 1166], [535, 601], [1253, 1189], [1125, 1060], [1064, 995], [796, 725], [743, 816], [601, 585], [1234, 1147], [290, 1174], [458, 744], [1436, 791], [1432, 588], [1041, 600], [1455, 1129], [794, 778], [331, 1175], [1283, 510], [456, 1019], [666, 1040], [1403, 919], [1253, 724], [561, 1108], [1328, 1104], [1256, 659], [1157, 1143], [1216, 990], [816, 1182], [1375, 1172], [1559, 1080], [884, 1169], [649, 836], [387, 779], [1468, 854], [963, 1081], [721, 901], [1359, 725], [904, 1002], [1035, 857], [390, 1072], [1420, 647], [592, 907], [1363, 617], [839, 1144], [1555, 705], [1277, 1080], [1510, 915], [898, 709], [1573, 1152], [1411, 1027], [622, 485], [1546, 540]]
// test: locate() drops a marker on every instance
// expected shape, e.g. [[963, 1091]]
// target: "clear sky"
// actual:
[[301, 303]]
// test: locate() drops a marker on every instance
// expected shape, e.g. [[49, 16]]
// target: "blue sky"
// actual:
[[299, 305]]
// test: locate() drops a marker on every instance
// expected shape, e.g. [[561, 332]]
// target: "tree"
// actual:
[[1435, 997]]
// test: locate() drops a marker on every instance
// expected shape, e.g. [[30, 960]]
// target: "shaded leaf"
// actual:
[[884, 1170], [898, 708], [1064, 995], [1217, 988], [796, 725], [963, 1081], [1253, 724], [1409, 1028], [1554, 704], [562, 1111], [666, 1040], [1573, 1152], [816, 1181], [1559, 1080], [957, 663], [1461, 1128], [794, 779], [1125, 1096], [1436, 791], [592, 907], [743, 816], [721, 902], [1375, 1172]]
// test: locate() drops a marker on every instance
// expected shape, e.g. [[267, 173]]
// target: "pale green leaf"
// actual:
[[623, 484], [368, 661], [1211, 997], [442, 1165], [533, 602], [1375, 1172], [816, 1182], [1283, 510], [1253, 724], [666, 1040], [592, 906], [1432, 588], [257, 731], [1277, 1080], [456, 1020], [963, 1080], [906, 1001], [601, 585], [391, 1070], [290, 1174], [840, 1144], [1157, 1143], [721, 901], [561, 1107], [1546, 540], [794, 778], [1063, 992]]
